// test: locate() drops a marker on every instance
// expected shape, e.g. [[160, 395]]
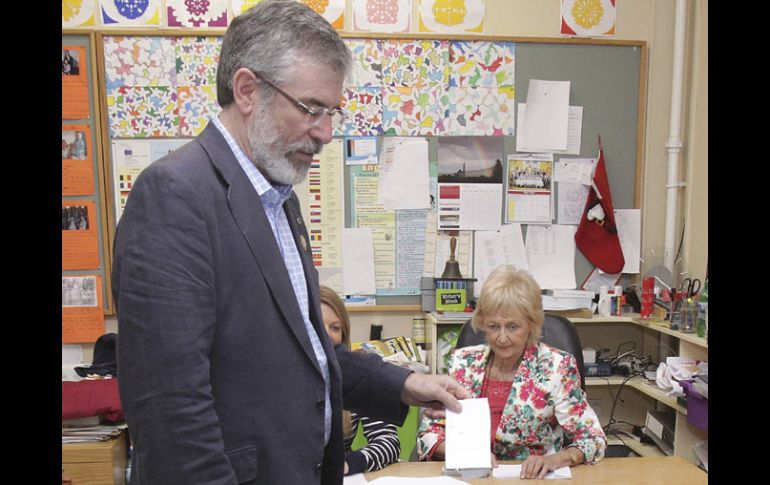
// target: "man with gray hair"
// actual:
[[226, 373]]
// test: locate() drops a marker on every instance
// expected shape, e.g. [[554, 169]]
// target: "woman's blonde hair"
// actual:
[[508, 290], [331, 298]]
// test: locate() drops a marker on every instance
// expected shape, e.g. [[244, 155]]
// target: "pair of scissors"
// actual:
[[690, 287]]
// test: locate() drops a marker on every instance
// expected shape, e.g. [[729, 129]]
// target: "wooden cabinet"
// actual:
[[637, 395], [96, 463]]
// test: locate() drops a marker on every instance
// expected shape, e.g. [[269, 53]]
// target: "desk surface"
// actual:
[[628, 471]]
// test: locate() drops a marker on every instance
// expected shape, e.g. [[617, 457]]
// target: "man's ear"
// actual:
[[245, 91]]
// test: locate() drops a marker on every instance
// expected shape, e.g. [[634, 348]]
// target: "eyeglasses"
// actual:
[[315, 115]]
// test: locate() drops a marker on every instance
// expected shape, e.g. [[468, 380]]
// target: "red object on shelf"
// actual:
[[648, 296], [88, 398]]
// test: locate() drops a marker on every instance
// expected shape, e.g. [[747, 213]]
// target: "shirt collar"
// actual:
[[271, 194]]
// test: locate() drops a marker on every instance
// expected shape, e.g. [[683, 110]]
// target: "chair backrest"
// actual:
[[557, 332]]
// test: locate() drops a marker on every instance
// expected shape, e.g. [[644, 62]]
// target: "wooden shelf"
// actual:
[[636, 446], [383, 308], [640, 384], [656, 326]]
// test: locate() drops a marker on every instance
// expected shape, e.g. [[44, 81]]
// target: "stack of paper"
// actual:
[[80, 434], [567, 299]]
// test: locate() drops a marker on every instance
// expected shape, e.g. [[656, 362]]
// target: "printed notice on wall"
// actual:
[[82, 316], [74, 83], [77, 166], [79, 242]]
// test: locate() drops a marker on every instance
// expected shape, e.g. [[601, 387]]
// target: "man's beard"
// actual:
[[271, 156]]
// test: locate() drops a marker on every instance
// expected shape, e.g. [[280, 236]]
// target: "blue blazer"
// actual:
[[217, 376]]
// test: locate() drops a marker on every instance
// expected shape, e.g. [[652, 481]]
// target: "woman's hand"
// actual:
[[537, 466]]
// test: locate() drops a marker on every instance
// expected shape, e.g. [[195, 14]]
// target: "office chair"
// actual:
[[557, 332]]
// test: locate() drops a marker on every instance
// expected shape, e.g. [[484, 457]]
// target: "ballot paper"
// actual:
[[513, 471], [468, 436], [416, 481]]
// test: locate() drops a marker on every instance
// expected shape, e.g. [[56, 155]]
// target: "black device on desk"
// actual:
[[598, 369]]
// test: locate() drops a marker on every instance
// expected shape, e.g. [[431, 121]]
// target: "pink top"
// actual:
[[497, 392]]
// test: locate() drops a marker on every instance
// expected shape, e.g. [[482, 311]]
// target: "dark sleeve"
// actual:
[[163, 283], [371, 387], [383, 445]]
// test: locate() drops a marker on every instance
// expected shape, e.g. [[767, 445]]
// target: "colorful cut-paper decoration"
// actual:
[[240, 6], [481, 111], [143, 112], [382, 15], [415, 63], [410, 111], [367, 62], [481, 64], [140, 61], [588, 18], [332, 10], [196, 13], [196, 60], [123, 13], [364, 105], [196, 105], [455, 16], [77, 13]]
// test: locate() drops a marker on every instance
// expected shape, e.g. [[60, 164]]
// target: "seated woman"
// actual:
[[383, 446], [539, 413]]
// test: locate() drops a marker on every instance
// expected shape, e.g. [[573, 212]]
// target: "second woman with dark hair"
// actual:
[[383, 446]]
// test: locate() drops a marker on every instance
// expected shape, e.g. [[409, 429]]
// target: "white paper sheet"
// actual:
[[551, 255], [358, 261], [575, 170], [467, 436], [357, 479], [404, 181], [361, 150], [494, 248], [546, 119], [571, 201], [629, 222], [72, 354], [598, 278], [478, 207], [417, 481], [574, 132], [514, 471]]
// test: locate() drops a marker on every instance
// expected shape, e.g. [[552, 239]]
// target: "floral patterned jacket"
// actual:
[[545, 412]]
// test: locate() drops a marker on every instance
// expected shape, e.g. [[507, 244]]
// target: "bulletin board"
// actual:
[[608, 79], [85, 249]]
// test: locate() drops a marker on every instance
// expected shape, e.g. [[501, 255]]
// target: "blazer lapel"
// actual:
[[246, 208], [298, 230]]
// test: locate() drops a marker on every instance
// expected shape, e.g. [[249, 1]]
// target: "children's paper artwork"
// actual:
[[130, 13], [196, 105], [139, 61], [367, 62], [451, 16], [77, 13], [143, 112], [481, 64], [332, 10], [196, 13], [240, 6], [415, 63], [196, 60], [364, 105], [411, 111], [382, 15], [481, 111], [588, 18]]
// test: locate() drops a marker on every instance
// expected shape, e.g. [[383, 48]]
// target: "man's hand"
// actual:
[[434, 392]]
